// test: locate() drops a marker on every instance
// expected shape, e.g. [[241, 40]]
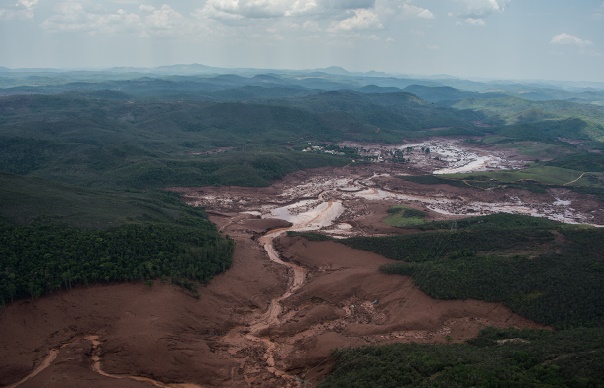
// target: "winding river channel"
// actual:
[[317, 211], [323, 214], [95, 364]]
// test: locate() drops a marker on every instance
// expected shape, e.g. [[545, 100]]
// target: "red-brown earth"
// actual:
[[242, 331]]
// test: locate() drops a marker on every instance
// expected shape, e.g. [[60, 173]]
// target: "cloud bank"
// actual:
[[143, 19], [567, 39], [23, 9], [476, 12]]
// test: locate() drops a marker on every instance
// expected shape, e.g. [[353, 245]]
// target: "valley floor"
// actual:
[[286, 303]]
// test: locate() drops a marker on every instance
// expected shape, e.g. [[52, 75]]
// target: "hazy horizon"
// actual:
[[470, 39]]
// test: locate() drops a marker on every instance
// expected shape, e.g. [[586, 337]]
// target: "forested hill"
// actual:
[[124, 139], [87, 152], [43, 256], [55, 237], [111, 139]]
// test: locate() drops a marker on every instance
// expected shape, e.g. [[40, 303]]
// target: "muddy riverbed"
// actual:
[[275, 316]]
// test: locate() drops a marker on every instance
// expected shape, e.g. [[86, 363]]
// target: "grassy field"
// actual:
[[401, 216], [542, 151], [544, 174], [547, 175]]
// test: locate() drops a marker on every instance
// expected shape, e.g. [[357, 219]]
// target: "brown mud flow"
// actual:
[[271, 320]]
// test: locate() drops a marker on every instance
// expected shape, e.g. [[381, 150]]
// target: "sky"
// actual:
[[475, 39]]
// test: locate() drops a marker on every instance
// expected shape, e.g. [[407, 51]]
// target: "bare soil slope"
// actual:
[[165, 335], [270, 320], [158, 332]]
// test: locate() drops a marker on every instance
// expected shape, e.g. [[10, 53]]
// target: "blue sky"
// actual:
[[496, 39]]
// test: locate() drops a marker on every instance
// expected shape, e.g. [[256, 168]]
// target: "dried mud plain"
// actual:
[[274, 317]]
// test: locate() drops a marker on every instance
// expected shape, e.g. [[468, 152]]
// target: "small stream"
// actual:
[[52, 355], [95, 359], [321, 215]]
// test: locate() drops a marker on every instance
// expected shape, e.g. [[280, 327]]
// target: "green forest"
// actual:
[[44, 256], [55, 237], [496, 358]]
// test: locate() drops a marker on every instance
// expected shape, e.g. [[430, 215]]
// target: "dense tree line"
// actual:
[[44, 256], [497, 358], [556, 289], [428, 245]]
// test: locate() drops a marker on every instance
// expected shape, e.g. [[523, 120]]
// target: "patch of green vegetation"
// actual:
[[252, 166], [543, 151], [498, 221], [100, 142], [536, 179], [454, 243], [548, 175], [382, 116], [495, 139], [592, 162], [401, 216], [23, 199], [44, 256], [546, 131], [481, 181], [55, 236], [432, 180], [554, 289], [544, 121], [527, 358]]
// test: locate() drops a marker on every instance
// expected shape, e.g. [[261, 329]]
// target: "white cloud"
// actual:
[[401, 8], [29, 4], [228, 10], [209, 11], [229, 18], [86, 17], [485, 7], [301, 7], [475, 12], [346, 4], [567, 39], [23, 9], [165, 18], [146, 8], [311, 26], [268, 9], [254, 9], [361, 19], [411, 10], [475, 21]]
